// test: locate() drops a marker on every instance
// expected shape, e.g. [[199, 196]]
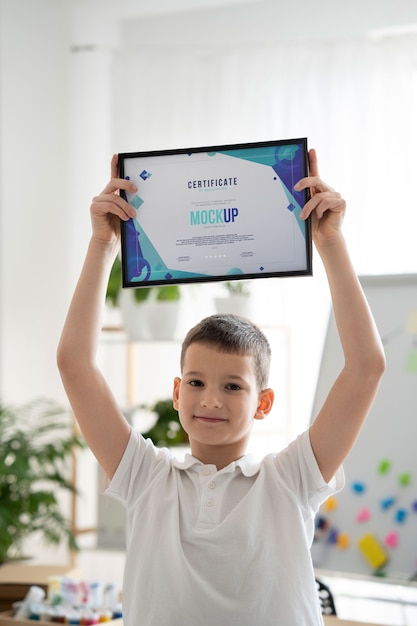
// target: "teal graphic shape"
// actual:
[[136, 201], [279, 159], [264, 156]]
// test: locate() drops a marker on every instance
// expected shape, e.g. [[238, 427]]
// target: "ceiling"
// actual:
[[283, 19], [128, 9]]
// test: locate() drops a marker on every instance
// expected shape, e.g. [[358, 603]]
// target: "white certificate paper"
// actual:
[[216, 214]]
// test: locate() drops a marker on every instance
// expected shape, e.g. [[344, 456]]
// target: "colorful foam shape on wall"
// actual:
[[404, 479], [411, 362], [358, 487], [330, 504], [387, 503], [333, 536], [343, 541], [372, 551], [322, 523], [411, 323], [363, 515], [384, 466], [391, 540], [401, 516]]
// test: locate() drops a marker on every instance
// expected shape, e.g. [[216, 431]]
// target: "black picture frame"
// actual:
[[216, 213]]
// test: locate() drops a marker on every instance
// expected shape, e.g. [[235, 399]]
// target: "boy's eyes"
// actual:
[[229, 386], [195, 383]]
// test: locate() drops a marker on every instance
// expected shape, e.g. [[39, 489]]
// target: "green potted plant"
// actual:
[[167, 430], [237, 287], [147, 312], [37, 443]]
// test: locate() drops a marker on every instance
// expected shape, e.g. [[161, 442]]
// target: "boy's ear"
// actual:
[[265, 402], [176, 392]]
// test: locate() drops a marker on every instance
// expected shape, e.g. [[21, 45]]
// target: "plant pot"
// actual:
[[150, 320], [237, 304]]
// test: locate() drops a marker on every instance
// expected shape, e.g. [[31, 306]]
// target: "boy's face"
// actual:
[[217, 400]]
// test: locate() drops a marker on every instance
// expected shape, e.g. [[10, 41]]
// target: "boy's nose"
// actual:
[[211, 400]]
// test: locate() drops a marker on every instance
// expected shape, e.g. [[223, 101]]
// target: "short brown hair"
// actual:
[[233, 334]]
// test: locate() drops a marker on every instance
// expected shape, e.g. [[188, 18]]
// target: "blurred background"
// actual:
[[83, 79]]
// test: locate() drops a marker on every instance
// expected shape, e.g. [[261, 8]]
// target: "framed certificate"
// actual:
[[216, 213]]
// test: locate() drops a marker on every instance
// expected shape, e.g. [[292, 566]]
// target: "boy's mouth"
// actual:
[[207, 419]]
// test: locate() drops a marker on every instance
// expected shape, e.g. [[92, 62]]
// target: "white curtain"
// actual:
[[355, 101]]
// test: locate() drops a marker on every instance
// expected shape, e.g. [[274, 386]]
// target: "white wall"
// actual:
[[54, 157], [34, 193]]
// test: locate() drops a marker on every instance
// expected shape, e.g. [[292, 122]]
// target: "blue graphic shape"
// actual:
[[138, 270], [234, 270], [145, 175], [291, 207], [136, 201]]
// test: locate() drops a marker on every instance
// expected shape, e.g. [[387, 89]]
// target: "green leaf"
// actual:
[[37, 444], [168, 293]]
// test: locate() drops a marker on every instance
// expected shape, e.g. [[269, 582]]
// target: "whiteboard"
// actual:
[[379, 501]]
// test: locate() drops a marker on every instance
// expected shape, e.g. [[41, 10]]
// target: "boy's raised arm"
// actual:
[[339, 421], [101, 421]]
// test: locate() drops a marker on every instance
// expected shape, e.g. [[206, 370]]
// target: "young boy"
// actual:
[[218, 538]]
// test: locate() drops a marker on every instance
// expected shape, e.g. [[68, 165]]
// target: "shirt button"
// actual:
[[210, 502], [211, 485], [206, 471]]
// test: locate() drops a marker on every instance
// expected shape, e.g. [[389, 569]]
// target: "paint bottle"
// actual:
[[95, 595], [117, 611], [34, 595]]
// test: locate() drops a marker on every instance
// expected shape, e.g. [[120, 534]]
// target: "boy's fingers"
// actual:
[[105, 204], [115, 182], [313, 163], [322, 202], [120, 212], [118, 183], [112, 203], [114, 166], [313, 182]]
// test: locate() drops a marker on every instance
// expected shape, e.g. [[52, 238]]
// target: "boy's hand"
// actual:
[[326, 206], [108, 208]]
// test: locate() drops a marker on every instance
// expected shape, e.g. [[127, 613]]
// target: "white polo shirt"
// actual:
[[220, 548]]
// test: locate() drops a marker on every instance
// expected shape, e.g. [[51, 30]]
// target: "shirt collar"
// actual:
[[248, 464]]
